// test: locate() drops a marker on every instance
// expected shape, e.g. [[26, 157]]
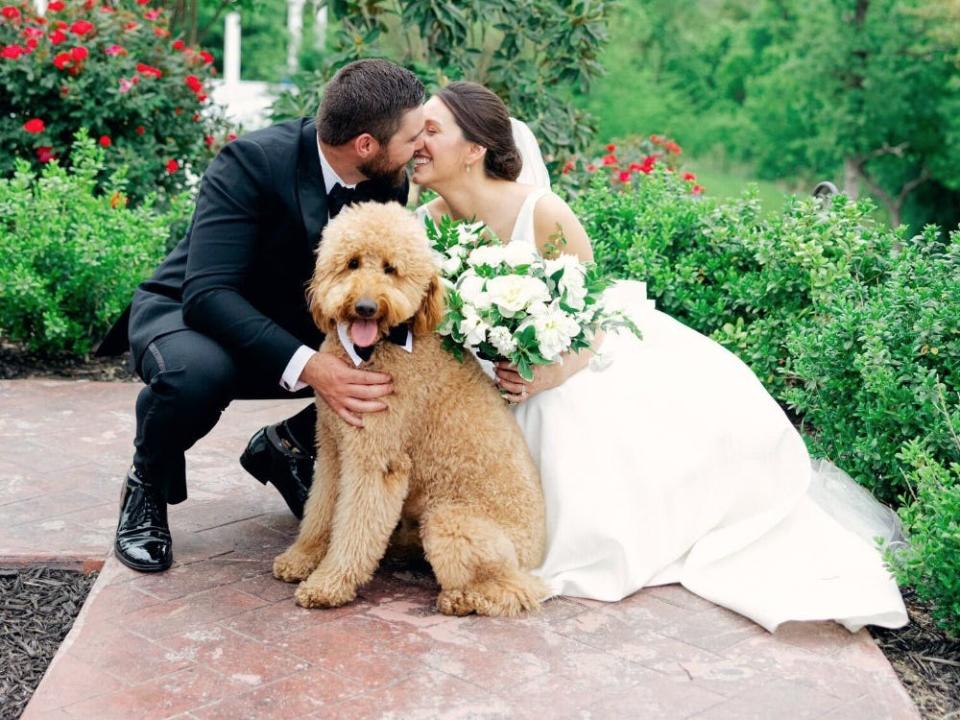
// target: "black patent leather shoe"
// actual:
[[143, 536], [273, 456]]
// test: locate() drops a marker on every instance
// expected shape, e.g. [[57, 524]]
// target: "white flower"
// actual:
[[469, 233], [502, 339], [514, 293], [519, 253], [473, 327], [491, 255], [555, 330], [450, 266], [571, 281], [438, 258], [470, 287]]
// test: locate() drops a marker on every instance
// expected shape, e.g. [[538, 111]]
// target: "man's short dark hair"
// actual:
[[367, 96]]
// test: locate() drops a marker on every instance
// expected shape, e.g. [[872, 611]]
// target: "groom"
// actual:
[[225, 315]]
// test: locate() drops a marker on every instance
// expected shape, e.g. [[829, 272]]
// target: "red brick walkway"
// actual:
[[218, 637]]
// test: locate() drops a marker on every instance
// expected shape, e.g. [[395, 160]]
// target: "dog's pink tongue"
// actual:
[[363, 332]]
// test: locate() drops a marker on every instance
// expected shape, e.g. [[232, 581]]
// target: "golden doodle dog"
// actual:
[[447, 453]]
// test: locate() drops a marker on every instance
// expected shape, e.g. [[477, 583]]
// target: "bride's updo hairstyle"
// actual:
[[484, 120]]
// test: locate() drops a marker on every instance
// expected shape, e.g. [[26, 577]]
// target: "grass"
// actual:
[[725, 181]]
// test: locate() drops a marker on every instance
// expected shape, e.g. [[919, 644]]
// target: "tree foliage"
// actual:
[[535, 54]]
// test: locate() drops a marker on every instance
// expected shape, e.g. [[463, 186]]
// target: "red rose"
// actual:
[[208, 140], [32, 32], [624, 176], [31, 45], [62, 61], [568, 166], [697, 189], [81, 27], [207, 57], [152, 14], [105, 141], [142, 2], [161, 32], [672, 147], [57, 37], [194, 83], [689, 176], [610, 159], [179, 44], [45, 154], [140, 130], [131, 26], [12, 52], [10, 12], [144, 69], [611, 148], [79, 54], [172, 166], [231, 137], [61, 25], [55, 6], [201, 97], [656, 139], [34, 126], [591, 168]]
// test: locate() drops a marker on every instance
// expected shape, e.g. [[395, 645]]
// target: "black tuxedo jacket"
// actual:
[[240, 273]]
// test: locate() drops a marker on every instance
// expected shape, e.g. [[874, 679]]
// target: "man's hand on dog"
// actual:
[[348, 391]]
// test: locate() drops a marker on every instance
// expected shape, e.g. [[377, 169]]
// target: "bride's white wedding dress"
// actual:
[[673, 464]]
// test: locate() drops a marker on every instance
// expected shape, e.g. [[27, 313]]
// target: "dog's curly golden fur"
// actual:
[[447, 452]]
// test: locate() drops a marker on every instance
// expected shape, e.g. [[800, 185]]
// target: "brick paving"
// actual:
[[218, 637]]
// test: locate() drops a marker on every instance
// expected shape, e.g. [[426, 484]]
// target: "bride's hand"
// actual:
[[515, 389]]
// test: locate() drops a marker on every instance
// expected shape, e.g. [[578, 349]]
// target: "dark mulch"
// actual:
[[17, 363], [37, 610], [926, 661]]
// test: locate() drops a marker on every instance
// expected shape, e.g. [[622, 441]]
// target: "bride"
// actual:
[[673, 464]]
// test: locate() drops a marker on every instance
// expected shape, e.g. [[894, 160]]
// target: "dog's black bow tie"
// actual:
[[398, 335], [378, 191]]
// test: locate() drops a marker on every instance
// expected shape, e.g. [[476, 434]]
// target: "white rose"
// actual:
[[490, 255], [470, 288], [450, 266], [519, 253], [514, 293], [555, 330], [438, 258], [502, 340], [473, 327]]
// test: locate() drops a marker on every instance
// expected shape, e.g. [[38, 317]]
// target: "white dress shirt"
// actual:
[[290, 380]]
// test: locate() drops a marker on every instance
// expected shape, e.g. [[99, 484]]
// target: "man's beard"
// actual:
[[380, 170]]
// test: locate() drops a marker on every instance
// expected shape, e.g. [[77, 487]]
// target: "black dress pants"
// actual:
[[190, 380]]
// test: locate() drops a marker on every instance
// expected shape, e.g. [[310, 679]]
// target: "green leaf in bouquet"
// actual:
[[524, 368]]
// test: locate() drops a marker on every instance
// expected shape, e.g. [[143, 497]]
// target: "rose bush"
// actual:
[[622, 163], [115, 71]]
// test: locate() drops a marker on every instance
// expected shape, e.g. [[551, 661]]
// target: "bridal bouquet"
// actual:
[[508, 302]]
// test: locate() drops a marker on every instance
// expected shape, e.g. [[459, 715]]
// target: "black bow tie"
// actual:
[[397, 335], [375, 190]]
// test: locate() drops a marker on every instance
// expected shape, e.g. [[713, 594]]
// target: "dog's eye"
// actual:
[[354, 263], [389, 269]]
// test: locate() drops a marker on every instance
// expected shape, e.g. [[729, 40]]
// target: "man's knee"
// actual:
[[189, 373]]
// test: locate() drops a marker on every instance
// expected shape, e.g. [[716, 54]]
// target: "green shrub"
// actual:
[[71, 255], [931, 563], [116, 72], [726, 270], [873, 365]]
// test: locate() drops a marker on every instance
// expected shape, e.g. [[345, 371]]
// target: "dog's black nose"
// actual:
[[365, 307]]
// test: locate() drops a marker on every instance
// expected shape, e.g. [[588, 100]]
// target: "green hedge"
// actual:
[[849, 324], [70, 254]]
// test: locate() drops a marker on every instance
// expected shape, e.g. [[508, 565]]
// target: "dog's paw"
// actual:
[[294, 566], [491, 598], [323, 591]]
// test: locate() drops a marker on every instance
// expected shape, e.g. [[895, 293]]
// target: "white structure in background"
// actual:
[[247, 102]]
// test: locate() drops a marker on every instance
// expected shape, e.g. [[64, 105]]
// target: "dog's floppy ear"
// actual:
[[315, 290], [431, 309]]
